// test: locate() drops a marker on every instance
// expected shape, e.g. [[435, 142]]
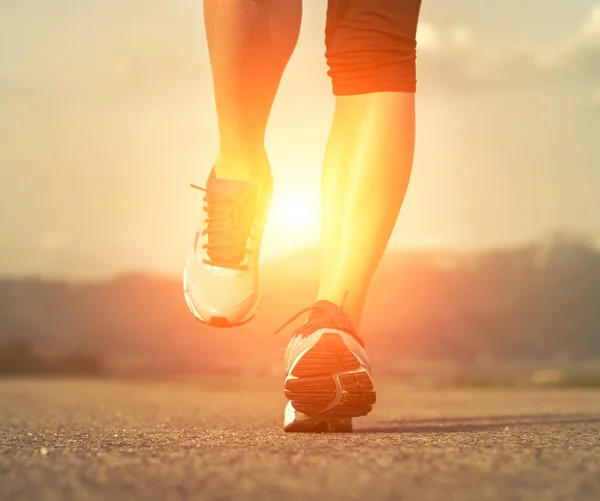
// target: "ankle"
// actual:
[[243, 165], [351, 308]]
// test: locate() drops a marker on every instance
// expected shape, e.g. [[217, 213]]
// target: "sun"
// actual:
[[294, 221], [294, 211]]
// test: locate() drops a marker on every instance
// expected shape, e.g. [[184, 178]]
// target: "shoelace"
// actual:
[[327, 318], [228, 226], [295, 317]]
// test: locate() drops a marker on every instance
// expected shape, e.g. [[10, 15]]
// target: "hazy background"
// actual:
[[106, 116]]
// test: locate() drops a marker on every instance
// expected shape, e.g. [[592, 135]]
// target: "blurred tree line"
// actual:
[[20, 357], [537, 301]]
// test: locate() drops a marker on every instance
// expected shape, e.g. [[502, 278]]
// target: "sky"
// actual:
[[106, 117]]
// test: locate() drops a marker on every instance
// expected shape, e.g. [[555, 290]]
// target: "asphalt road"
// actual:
[[103, 440]]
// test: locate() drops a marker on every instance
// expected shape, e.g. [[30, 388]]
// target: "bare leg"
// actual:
[[366, 172], [250, 43]]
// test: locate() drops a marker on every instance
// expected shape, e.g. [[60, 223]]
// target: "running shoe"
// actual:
[[328, 373], [220, 280]]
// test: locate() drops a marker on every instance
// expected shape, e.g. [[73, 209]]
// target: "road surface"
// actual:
[[220, 440]]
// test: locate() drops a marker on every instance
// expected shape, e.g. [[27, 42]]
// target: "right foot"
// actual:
[[328, 373], [220, 279]]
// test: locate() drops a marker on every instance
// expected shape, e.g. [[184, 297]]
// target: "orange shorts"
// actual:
[[371, 45]]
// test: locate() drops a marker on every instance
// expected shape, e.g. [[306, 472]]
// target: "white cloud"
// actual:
[[433, 39], [461, 36], [427, 37], [580, 51], [589, 34], [455, 59], [74, 47]]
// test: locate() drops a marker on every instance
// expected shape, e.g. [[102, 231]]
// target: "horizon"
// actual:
[[557, 237]]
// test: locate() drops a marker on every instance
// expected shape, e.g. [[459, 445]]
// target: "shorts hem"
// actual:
[[355, 90]]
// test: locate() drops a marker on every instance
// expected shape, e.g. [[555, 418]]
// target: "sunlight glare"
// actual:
[[294, 211], [294, 220]]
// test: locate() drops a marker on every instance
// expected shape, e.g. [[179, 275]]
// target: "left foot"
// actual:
[[328, 380], [220, 280]]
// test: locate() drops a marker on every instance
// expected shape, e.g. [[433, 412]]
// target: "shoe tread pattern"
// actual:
[[313, 386]]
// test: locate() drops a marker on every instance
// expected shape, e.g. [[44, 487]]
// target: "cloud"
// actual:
[[454, 59], [75, 48], [578, 53]]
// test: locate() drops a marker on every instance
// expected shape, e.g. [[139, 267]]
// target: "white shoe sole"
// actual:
[[295, 422], [217, 320], [221, 321]]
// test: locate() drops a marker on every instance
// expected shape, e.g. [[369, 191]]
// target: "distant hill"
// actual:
[[539, 301]]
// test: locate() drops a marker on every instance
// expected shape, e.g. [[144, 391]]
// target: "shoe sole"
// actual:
[[221, 322], [319, 425], [329, 383]]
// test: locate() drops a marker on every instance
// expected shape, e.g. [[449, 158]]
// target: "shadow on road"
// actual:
[[470, 424]]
